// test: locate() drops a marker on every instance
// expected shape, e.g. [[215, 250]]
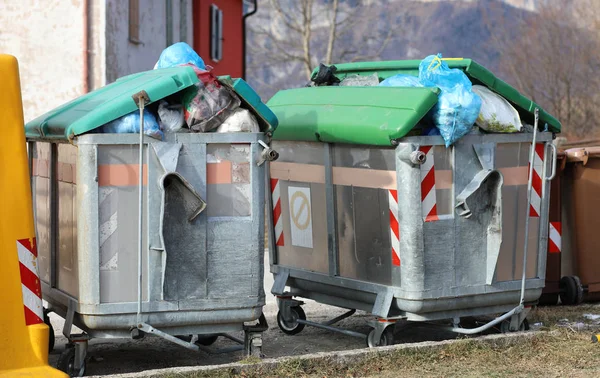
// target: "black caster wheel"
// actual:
[[207, 340], [292, 327], [505, 326], [387, 338], [66, 363], [571, 291], [51, 337]]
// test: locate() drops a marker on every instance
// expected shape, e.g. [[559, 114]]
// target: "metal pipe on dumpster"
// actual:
[[529, 188], [140, 98]]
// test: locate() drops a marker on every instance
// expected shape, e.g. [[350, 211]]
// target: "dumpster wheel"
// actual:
[[66, 363], [387, 338], [292, 327], [505, 326], [571, 291]]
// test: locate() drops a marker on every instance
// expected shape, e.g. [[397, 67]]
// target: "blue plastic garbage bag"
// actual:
[[458, 106], [401, 80], [130, 124], [178, 54]]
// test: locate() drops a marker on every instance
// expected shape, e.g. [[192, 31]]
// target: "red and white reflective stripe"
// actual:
[[30, 281], [428, 199], [394, 226], [554, 240], [536, 193], [277, 218]]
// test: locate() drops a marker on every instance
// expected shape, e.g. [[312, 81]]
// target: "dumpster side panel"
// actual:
[[362, 178], [300, 175], [512, 159], [118, 168], [40, 173], [67, 265]]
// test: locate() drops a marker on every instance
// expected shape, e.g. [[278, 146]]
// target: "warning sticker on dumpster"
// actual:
[[300, 216]]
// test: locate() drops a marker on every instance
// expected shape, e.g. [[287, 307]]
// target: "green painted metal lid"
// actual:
[[361, 115], [115, 100], [108, 103], [477, 73]]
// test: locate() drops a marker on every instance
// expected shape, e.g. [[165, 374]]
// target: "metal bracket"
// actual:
[[141, 99], [280, 281], [268, 154], [189, 345], [69, 318], [383, 303]]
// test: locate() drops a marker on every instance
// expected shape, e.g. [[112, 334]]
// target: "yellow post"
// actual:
[[23, 334]]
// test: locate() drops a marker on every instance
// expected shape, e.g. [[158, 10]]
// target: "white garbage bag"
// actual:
[[496, 115], [170, 117], [241, 120]]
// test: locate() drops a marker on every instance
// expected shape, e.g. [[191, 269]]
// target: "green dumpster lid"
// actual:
[[362, 115], [253, 101], [108, 103], [477, 73]]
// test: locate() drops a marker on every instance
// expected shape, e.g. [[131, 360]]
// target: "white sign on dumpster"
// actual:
[[300, 216]]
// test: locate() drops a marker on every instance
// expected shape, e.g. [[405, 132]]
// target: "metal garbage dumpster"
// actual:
[[202, 245], [580, 257], [367, 214]]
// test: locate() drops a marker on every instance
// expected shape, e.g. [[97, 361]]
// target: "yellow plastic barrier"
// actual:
[[23, 334]]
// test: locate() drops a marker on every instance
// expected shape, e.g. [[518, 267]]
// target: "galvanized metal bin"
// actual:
[[401, 226], [88, 203], [203, 226]]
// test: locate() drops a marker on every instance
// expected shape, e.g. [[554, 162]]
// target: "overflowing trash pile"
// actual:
[[207, 106], [461, 105]]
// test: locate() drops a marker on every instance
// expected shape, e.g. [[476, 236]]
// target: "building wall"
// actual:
[[124, 57], [47, 39], [232, 62]]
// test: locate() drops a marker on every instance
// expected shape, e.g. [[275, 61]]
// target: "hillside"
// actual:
[[420, 28]]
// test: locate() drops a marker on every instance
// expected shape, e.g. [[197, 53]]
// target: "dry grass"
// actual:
[[564, 350]]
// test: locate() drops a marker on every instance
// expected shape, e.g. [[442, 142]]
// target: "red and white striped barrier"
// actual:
[[394, 226], [30, 281], [277, 219], [536, 193], [428, 198], [555, 236]]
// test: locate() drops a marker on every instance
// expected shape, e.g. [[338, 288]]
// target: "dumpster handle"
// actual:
[[554, 158]]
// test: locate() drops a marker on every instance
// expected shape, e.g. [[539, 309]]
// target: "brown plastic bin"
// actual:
[[581, 206], [568, 288]]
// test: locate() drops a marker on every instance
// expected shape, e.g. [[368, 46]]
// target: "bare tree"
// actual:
[[297, 35], [553, 56]]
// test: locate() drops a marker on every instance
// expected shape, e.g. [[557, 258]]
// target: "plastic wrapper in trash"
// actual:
[[130, 124], [208, 103], [325, 76], [458, 106], [241, 120], [170, 117], [401, 80], [360, 81], [496, 115], [178, 54]]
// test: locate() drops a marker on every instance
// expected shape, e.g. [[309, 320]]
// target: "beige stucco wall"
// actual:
[[47, 39]]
